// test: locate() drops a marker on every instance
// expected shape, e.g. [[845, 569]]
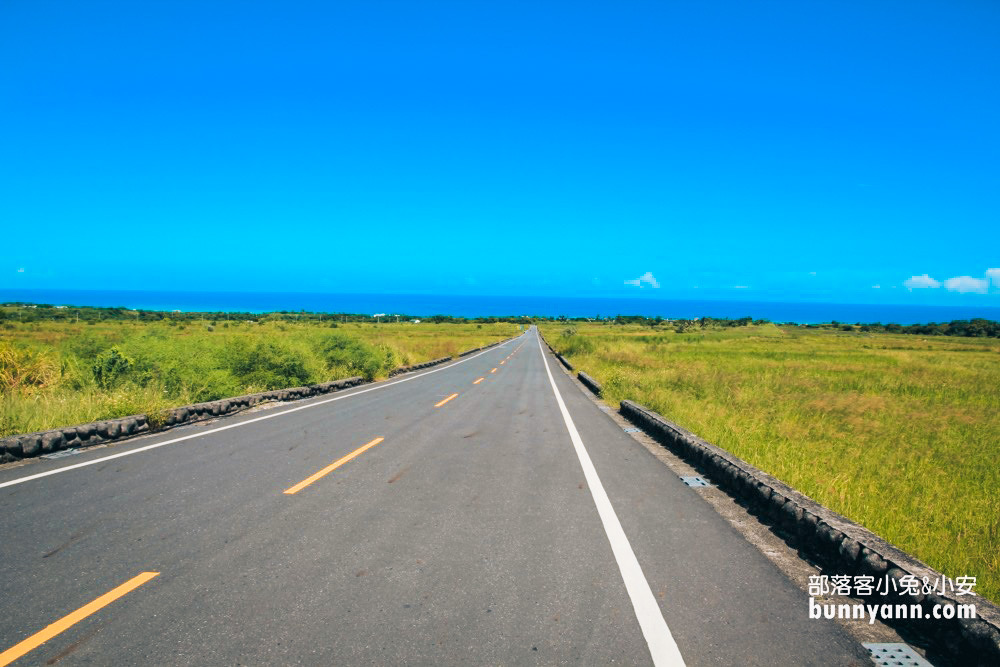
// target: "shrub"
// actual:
[[111, 368], [390, 357], [352, 356], [268, 365]]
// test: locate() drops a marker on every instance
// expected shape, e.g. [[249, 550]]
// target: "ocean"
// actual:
[[424, 305]]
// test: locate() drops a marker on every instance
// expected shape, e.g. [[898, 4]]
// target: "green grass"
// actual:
[[56, 374], [899, 433]]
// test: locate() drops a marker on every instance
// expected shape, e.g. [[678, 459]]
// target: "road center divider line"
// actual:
[[66, 622], [479, 380], [440, 403], [662, 647], [333, 466], [172, 441], [493, 371]]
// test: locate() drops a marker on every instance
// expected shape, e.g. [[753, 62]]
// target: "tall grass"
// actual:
[[899, 433], [56, 374]]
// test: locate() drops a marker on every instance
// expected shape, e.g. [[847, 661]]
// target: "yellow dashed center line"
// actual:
[[479, 380], [333, 466], [64, 623], [493, 371], [440, 403]]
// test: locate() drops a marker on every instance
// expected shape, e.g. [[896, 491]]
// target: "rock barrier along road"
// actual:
[[481, 512]]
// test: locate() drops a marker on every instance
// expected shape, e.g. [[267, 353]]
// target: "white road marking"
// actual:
[[660, 642], [28, 478]]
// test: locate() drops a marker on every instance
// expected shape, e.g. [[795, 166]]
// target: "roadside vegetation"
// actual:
[[901, 433], [60, 372]]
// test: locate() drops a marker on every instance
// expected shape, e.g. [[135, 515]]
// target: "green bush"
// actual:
[[352, 356], [111, 368], [268, 365]]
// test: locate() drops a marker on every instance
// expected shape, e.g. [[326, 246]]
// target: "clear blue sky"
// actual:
[[765, 150]]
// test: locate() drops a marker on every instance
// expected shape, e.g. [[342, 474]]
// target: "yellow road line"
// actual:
[[66, 622], [493, 371], [479, 380], [440, 403], [330, 468], [503, 362]]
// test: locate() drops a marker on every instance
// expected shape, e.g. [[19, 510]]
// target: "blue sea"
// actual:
[[424, 305]]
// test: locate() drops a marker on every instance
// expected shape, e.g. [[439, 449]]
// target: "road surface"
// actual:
[[483, 512]]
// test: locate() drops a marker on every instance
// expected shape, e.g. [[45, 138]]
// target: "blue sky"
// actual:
[[767, 150]]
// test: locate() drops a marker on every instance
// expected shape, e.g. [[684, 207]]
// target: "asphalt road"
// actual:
[[479, 530]]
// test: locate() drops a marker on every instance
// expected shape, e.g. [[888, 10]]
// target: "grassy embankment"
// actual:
[[899, 433], [56, 374]]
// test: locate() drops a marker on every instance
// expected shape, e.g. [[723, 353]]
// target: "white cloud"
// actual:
[[20, 270], [812, 273], [876, 287], [920, 282], [966, 284], [741, 287], [961, 284], [644, 278]]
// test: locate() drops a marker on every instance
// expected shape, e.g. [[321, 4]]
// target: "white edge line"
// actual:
[[662, 647], [21, 480]]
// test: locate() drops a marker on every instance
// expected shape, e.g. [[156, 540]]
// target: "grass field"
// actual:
[[56, 374], [899, 433]]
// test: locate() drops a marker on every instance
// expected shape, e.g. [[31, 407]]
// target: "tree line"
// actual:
[[30, 312]]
